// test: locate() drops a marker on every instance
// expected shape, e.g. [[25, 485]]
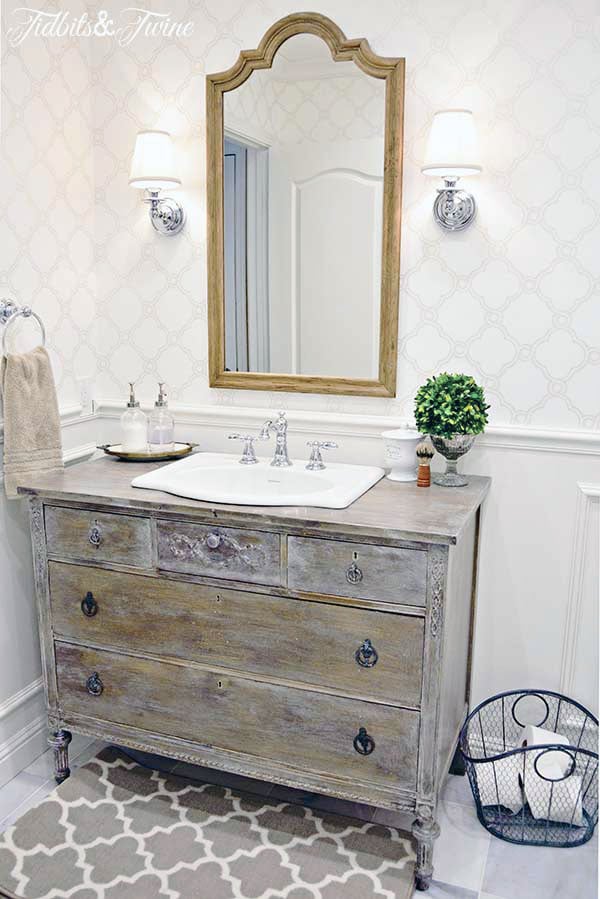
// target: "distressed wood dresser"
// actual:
[[323, 649]]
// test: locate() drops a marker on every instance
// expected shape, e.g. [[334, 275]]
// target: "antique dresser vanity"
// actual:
[[323, 649]]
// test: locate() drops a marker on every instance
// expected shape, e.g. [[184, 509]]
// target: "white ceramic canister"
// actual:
[[401, 453]]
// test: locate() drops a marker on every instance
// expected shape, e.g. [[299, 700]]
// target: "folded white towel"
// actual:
[[32, 439]]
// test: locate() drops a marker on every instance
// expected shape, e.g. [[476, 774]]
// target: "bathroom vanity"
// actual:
[[324, 649]]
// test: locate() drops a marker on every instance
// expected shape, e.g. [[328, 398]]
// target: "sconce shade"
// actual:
[[153, 164], [453, 147]]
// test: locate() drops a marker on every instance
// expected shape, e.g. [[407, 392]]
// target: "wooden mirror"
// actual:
[[304, 180]]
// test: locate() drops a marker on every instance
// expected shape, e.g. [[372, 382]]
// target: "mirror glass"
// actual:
[[303, 180]]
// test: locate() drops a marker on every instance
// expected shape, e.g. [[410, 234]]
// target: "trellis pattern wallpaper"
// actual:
[[514, 300]]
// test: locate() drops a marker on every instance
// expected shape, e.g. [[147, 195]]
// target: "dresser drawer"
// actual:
[[305, 730], [362, 571], [98, 536], [214, 551], [358, 652]]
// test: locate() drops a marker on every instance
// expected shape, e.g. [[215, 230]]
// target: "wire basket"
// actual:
[[534, 795]]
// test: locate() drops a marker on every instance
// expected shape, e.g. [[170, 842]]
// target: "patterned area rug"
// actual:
[[116, 830]]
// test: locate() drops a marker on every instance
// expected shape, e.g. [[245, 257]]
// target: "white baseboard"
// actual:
[[23, 730]]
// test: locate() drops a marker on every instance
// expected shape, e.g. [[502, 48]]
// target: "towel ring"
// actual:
[[9, 312]]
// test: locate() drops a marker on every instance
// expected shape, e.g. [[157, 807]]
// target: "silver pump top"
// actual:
[[132, 400], [162, 396]]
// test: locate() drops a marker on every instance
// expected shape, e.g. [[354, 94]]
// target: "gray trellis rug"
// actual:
[[116, 830]]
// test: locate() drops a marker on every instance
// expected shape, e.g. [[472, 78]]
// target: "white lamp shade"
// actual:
[[453, 148], [153, 164]]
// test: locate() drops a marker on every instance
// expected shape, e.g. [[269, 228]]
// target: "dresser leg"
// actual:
[[425, 830], [59, 741]]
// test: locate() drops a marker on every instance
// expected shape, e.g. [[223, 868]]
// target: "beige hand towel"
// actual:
[[32, 439]]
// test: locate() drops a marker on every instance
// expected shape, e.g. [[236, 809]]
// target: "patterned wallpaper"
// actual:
[[345, 108], [47, 197], [514, 300]]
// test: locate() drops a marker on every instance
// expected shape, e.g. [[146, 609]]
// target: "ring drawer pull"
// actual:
[[89, 606], [94, 685], [95, 534], [354, 574], [213, 541], [366, 655], [363, 743]]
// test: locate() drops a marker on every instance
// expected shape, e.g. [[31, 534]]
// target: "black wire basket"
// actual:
[[540, 795]]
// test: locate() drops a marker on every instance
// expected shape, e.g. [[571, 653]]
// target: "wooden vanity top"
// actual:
[[390, 510]]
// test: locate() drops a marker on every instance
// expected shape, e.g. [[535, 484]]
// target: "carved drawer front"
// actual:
[[362, 571], [361, 741], [81, 534], [214, 551], [358, 652]]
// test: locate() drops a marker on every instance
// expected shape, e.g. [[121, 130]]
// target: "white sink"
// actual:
[[219, 478]]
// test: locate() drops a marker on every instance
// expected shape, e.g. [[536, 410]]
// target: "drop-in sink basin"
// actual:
[[219, 478]]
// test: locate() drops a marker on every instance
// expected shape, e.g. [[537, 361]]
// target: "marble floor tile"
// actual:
[[457, 789], [489, 896], [539, 872], [447, 891], [21, 789], [459, 855]]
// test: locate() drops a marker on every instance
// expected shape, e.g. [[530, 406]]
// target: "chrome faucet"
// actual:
[[279, 428]]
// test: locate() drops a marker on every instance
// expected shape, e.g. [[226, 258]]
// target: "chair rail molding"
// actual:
[[367, 427], [588, 503]]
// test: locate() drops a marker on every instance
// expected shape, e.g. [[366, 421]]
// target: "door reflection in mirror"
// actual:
[[303, 186]]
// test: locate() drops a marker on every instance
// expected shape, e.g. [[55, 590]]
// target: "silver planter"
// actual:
[[452, 448]]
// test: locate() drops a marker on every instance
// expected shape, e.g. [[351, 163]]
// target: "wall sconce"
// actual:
[[153, 169], [452, 152]]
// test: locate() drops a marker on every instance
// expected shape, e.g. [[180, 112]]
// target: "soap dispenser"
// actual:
[[134, 426], [162, 425]]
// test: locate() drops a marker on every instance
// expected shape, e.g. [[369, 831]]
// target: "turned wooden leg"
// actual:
[[59, 741], [425, 831]]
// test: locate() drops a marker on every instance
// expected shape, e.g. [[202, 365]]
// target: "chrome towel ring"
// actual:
[[9, 312]]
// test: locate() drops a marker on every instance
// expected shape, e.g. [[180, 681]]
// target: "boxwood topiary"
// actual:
[[450, 404]]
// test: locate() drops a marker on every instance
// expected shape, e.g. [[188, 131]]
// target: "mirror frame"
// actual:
[[392, 71]]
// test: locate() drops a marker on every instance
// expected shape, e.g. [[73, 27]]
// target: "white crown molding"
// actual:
[[586, 493], [330, 424]]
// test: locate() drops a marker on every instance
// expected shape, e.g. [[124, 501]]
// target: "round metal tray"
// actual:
[[179, 450]]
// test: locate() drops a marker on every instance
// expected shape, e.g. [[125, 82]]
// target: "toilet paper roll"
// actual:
[[548, 762], [498, 783], [558, 801]]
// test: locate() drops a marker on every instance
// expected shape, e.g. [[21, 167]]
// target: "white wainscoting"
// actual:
[[579, 673], [23, 730]]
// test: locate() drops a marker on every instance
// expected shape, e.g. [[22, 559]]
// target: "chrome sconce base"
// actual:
[[166, 215], [454, 209]]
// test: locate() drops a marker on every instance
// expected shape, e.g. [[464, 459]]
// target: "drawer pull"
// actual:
[[213, 541], [363, 743], [354, 574], [94, 685], [366, 655], [95, 534], [89, 606]]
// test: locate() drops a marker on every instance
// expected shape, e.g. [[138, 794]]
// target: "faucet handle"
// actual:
[[248, 454], [315, 463]]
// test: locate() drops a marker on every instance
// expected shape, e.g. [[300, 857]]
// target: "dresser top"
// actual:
[[390, 509]]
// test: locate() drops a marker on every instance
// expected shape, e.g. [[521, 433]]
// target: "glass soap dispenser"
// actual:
[[162, 425], [134, 426]]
